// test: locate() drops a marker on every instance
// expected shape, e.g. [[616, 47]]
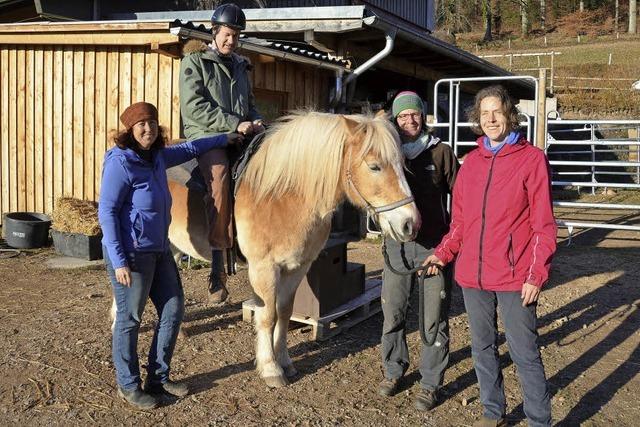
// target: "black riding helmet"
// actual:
[[229, 15]]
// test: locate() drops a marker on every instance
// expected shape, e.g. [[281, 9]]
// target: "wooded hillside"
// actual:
[[523, 17]]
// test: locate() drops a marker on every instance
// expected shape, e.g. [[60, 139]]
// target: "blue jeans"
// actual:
[[396, 292], [521, 333], [153, 275]]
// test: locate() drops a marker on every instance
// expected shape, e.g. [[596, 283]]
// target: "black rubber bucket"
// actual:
[[26, 230]]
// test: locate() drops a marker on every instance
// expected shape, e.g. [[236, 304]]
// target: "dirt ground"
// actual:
[[56, 369]]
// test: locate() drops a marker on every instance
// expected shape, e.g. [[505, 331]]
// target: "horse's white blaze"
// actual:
[[402, 180], [401, 223]]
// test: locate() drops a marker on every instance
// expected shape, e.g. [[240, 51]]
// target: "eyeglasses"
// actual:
[[405, 117]]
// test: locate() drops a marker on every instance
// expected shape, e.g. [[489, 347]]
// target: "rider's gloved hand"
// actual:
[[258, 127], [235, 139]]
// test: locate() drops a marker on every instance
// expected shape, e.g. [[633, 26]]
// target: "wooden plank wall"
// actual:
[[59, 104], [305, 86]]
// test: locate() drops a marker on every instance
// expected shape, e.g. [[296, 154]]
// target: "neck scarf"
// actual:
[[511, 139], [414, 148]]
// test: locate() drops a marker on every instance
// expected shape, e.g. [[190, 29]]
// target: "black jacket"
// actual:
[[431, 176]]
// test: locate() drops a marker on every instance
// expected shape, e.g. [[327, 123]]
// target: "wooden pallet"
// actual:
[[338, 320]]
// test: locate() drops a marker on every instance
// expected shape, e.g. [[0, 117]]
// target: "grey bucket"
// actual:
[[26, 230]]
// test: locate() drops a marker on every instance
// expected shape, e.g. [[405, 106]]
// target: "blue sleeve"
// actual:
[[180, 153], [113, 191]]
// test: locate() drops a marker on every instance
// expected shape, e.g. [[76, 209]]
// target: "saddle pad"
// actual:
[[241, 164], [188, 174]]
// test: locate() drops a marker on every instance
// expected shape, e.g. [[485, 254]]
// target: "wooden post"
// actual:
[[552, 72], [541, 120]]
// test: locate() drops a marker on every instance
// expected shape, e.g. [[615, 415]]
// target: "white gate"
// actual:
[[590, 138]]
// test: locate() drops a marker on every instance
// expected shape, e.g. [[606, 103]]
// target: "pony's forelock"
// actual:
[[378, 133]]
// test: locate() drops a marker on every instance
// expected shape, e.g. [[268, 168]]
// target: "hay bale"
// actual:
[[76, 216]]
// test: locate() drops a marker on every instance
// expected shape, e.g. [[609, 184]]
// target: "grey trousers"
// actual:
[[396, 291], [521, 333]]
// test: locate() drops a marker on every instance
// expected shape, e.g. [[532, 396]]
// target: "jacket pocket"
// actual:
[[511, 256], [136, 228]]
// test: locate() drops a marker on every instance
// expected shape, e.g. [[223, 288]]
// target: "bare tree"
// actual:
[[581, 5], [633, 11], [452, 16], [486, 14], [524, 15], [543, 15], [496, 11], [617, 14]]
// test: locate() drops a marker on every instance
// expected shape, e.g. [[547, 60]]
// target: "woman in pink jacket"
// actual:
[[503, 234]]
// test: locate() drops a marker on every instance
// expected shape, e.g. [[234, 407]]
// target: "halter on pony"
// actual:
[[372, 210]]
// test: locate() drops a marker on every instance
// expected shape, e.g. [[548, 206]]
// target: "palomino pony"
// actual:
[[308, 163]]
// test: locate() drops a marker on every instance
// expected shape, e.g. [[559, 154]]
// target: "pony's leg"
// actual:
[[284, 302], [264, 282]]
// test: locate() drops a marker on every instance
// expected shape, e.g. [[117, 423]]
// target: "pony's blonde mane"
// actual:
[[302, 155]]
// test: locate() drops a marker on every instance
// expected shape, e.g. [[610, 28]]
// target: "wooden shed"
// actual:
[[64, 85]]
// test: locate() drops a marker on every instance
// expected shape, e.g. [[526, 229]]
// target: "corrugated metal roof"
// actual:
[[290, 47]]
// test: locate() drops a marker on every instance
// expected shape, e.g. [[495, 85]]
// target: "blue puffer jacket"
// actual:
[[135, 203]]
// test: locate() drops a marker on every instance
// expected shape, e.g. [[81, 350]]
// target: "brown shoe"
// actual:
[[218, 293], [490, 422], [388, 387]]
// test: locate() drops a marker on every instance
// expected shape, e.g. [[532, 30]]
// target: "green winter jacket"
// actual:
[[211, 101]]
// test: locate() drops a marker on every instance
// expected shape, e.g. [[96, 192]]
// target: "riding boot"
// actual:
[[217, 279]]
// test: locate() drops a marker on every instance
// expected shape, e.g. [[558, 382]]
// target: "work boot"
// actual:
[[174, 388], [388, 387], [426, 400], [217, 279], [490, 422], [139, 398]]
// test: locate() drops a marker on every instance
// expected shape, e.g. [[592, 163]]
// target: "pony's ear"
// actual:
[[381, 114], [350, 124]]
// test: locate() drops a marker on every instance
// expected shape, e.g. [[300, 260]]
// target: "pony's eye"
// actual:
[[374, 167]]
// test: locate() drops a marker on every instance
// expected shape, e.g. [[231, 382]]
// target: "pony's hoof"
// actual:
[[275, 382], [290, 371]]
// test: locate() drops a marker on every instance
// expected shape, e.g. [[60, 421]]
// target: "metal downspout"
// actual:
[[390, 35], [338, 94]]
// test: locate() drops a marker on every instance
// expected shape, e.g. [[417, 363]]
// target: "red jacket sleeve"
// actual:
[[543, 224], [452, 241]]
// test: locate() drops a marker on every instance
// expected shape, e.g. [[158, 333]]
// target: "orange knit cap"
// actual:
[[138, 112]]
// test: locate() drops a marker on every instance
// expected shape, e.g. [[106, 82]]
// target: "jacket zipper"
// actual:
[[136, 237], [512, 260], [484, 208], [154, 168]]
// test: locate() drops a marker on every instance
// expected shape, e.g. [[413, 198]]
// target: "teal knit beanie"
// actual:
[[406, 100]]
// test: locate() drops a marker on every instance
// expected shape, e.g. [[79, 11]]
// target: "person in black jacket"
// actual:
[[432, 168]]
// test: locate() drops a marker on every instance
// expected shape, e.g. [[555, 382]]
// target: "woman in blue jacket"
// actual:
[[134, 213]]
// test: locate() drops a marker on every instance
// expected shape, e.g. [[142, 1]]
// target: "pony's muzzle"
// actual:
[[409, 228], [401, 224]]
